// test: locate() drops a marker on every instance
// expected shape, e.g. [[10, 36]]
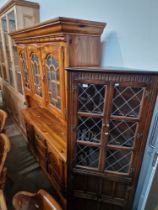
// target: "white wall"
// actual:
[[131, 36]]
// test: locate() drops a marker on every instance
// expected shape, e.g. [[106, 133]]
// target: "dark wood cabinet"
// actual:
[[109, 115]]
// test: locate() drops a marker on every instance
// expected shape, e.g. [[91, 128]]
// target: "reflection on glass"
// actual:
[[127, 101], [53, 79], [89, 129], [91, 98], [122, 133], [117, 160], [87, 156], [36, 74]]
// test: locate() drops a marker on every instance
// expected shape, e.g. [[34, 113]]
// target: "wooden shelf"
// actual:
[[49, 127]]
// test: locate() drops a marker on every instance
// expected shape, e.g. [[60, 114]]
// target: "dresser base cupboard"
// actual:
[[86, 126]]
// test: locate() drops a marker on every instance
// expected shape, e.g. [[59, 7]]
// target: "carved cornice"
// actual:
[[60, 25], [112, 77]]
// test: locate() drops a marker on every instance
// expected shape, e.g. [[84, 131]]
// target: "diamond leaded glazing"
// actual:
[[91, 98], [118, 160], [89, 129], [122, 133], [87, 156], [127, 101]]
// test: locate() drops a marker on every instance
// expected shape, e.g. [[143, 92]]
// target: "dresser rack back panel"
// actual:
[[109, 116]]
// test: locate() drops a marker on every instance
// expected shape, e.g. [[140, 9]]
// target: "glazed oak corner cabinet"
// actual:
[[87, 127], [109, 116], [14, 15]]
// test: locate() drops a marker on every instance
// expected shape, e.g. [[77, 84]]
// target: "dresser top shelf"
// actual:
[[49, 127], [110, 69]]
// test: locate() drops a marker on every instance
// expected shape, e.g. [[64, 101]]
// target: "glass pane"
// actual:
[[89, 129], [4, 24], [36, 74], [25, 70], [117, 160], [122, 133], [127, 101], [87, 156], [53, 78], [91, 98], [11, 19]]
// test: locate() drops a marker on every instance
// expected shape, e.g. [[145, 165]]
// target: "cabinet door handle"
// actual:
[[154, 132]]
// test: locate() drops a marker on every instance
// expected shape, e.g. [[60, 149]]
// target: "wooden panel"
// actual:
[[84, 50]]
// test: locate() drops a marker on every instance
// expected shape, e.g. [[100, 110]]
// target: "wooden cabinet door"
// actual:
[[36, 74], [107, 137], [53, 66]]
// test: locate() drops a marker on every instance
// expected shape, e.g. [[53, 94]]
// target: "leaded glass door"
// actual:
[[53, 63], [107, 126], [34, 54], [123, 128], [90, 114]]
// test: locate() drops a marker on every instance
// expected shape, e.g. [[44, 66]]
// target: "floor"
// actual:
[[24, 173]]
